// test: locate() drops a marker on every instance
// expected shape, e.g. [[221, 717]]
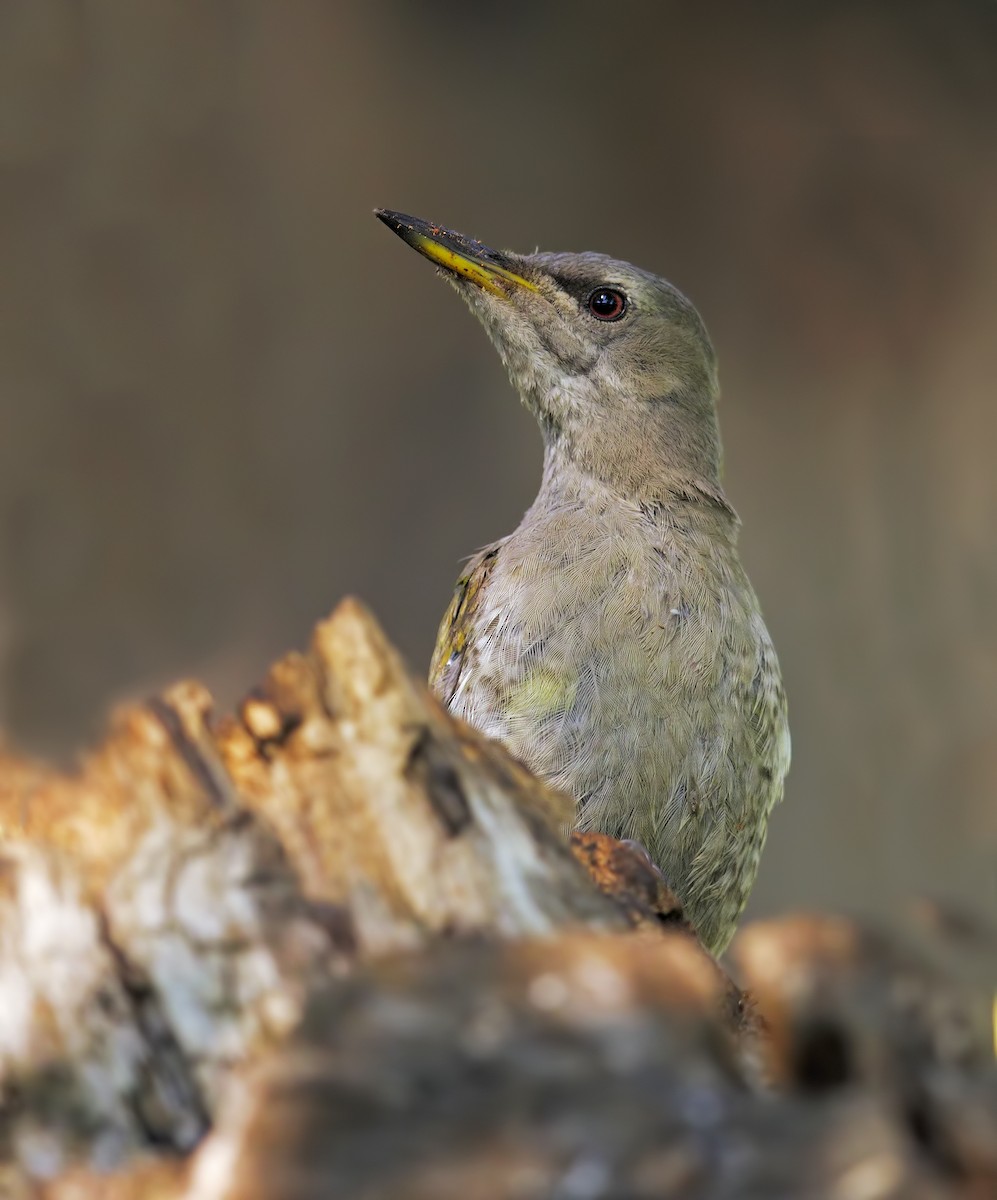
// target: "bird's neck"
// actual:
[[643, 448], [647, 472], [567, 485]]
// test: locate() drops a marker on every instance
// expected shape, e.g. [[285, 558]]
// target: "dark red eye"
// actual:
[[607, 304]]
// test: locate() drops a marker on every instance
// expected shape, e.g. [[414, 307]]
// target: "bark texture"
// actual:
[[338, 944]]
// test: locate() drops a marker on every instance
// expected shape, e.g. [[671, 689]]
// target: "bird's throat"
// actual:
[[652, 462]]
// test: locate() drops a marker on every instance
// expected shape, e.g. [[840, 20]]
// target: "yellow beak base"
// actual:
[[471, 260]]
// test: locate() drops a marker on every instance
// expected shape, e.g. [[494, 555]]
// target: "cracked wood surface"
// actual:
[[165, 911], [338, 943]]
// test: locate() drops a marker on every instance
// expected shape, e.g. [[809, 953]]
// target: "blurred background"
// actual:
[[228, 396]]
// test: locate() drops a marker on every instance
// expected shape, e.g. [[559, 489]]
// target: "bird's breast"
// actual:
[[598, 645], [630, 667]]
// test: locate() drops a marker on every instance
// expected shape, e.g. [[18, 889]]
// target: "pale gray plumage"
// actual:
[[613, 641]]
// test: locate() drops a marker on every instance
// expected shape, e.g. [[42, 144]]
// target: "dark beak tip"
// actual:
[[398, 222], [444, 246]]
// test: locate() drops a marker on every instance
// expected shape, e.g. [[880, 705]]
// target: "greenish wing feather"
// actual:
[[457, 626]]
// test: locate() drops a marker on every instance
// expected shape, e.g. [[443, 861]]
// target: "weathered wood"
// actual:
[[338, 943], [165, 911], [586, 1067], [388, 806]]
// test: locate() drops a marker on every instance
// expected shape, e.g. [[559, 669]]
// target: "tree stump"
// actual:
[[340, 944]]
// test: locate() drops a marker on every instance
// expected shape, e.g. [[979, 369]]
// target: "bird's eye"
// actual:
[[607, 304]]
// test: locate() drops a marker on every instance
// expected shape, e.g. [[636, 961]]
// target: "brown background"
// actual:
[[228, 396]]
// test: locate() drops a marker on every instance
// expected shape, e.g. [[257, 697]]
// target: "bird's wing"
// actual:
[[457, 626]]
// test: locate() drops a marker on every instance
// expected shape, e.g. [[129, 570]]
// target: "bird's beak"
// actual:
[[488, 269]]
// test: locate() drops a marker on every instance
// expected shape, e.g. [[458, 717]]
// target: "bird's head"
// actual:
[[615, 362]]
